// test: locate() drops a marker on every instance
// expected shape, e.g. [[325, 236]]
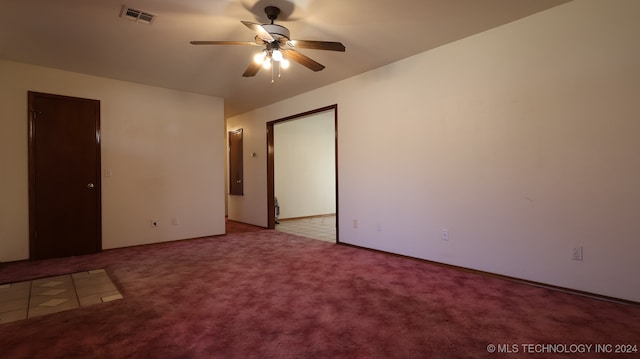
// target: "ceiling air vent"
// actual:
[[137, 15]]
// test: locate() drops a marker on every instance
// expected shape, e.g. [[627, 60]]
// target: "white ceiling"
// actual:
[[89, 36]]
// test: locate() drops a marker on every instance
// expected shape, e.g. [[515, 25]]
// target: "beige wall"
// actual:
[[522, 141], [164, 148], [305, 165]]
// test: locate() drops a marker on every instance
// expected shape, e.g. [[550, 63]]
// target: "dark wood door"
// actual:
[[64, 176]]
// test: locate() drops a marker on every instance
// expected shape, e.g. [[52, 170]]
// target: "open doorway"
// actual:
[[302, 173]]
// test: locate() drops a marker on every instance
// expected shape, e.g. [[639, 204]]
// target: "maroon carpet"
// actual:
[[266, 294]]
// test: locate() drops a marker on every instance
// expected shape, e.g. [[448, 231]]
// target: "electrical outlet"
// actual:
[[577, 253], [175, 221], [444, 235], [355, 224], [154, 222], [379, 227]]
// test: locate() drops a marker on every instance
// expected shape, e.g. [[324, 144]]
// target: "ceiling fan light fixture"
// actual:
[[267, 63], [284, 63], [277, 55], [260, 57]]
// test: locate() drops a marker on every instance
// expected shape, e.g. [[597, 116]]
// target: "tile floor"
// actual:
[[320, 227], [50, 295]]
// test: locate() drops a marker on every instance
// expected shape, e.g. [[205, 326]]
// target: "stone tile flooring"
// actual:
[[44, 296], [320, 227]]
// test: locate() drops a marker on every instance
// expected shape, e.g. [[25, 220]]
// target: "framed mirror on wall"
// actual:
[[236, 182]]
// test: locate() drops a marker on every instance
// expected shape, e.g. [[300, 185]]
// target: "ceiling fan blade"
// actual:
[[250, 43], [317, 45], [302, 59], [252, 70], [259, 30]]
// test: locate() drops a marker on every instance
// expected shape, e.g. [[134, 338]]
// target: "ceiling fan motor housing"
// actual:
[[277, 32]]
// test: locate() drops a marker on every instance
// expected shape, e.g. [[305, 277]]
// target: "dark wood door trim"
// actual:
[[271, 220], [32, 114], [236, 171]]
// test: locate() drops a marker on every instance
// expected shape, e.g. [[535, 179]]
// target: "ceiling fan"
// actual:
[[278, 46]]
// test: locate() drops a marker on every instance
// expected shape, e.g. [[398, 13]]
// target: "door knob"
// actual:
[[90, 185]]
